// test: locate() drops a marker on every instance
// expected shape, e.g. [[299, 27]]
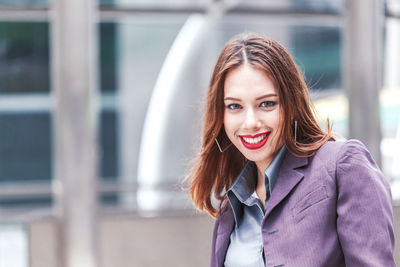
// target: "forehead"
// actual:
[[247, 81]]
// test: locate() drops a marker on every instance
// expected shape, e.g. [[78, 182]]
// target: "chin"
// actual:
[[262, 157]]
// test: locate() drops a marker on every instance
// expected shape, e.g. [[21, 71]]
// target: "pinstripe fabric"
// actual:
[[246, 245], [332, 209]]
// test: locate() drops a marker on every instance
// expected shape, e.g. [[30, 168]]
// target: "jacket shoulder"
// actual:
[[335, 149], [329, 152], [334, 153]]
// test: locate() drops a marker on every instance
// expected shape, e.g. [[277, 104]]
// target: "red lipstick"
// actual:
[[256, 145]]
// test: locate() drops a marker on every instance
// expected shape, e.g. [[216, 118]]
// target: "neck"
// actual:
[[260, 188]]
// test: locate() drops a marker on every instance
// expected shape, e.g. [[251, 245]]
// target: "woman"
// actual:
[[289, 194]]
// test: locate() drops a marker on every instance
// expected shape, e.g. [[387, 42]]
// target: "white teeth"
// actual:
[[254, 140]]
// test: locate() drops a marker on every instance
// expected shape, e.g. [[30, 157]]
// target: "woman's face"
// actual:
[[252, 117]]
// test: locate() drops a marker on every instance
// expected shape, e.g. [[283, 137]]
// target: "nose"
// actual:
[[251, 121]]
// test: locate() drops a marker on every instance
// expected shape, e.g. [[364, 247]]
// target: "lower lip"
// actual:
[[254, 146]]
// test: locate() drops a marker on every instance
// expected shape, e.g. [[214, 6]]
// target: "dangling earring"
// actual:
[[295, 131], [219, 147]]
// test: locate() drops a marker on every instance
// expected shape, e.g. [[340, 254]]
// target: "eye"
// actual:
[[267, 104], [233, 106]]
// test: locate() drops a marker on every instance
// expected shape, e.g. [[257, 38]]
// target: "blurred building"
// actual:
[[126, 79]]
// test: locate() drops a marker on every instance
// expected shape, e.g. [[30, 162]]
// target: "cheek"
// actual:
[[279, 126], [278, 122], [230, 125]]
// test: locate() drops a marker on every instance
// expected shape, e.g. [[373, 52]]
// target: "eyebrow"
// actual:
[[258, 98]]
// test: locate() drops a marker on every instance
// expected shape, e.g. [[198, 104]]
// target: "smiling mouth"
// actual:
[[254, 141]]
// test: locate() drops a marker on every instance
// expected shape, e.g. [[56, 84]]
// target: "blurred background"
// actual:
[[100, 114]]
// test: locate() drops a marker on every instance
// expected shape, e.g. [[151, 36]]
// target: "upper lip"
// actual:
[[254, 136]]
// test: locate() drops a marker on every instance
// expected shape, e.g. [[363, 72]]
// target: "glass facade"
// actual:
[[24, 3], [24, 57], [25, 150], [333, 6], [154, 60], [298, 5], [132, 53], [151, 3], [25, 114]]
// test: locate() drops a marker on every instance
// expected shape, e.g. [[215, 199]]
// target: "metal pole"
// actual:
[[362, 70], [75, 129]]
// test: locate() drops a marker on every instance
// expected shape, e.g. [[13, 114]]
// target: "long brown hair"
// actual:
[[213, 172]]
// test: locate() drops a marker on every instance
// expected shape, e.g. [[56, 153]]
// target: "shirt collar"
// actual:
[[271, 173], [245, 184]]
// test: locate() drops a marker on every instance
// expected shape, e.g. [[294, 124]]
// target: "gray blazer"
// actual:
[[332, 209]]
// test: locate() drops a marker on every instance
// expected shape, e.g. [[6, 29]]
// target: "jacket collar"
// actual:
[[245, 184], [225, 227], [289, 176]]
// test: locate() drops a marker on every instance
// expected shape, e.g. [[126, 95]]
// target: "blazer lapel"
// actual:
[[288, 178], [226, 223]]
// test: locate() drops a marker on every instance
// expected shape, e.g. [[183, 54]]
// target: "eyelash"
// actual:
[[269, 104], [231, 106]]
